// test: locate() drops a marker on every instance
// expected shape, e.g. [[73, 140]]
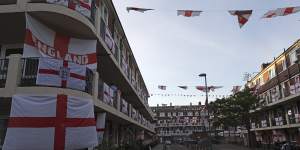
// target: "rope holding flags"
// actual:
[[185, 95], [242, 15]]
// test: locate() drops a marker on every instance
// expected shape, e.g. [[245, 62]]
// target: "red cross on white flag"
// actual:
[[188, 13], [50, 123], [243, 16], [281, 12], [82, 6], [59, 73], [40, 41]]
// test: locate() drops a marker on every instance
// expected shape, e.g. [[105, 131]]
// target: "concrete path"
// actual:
[[170, 147], [229, 147]]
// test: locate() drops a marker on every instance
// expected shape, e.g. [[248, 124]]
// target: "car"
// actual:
[[168, 142]]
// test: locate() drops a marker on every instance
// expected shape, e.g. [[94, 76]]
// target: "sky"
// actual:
[[173, 50]]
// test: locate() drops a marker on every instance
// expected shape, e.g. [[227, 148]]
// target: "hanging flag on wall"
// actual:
[[243, 16], [281, 12], [162, 87], [188, 13], [40, 41], [60, 73], [101, 119], [51, 122], [81, 6], [183, 87], [142, 10]]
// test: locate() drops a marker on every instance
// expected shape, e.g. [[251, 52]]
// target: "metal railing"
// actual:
[[3, 72], [30, 70]]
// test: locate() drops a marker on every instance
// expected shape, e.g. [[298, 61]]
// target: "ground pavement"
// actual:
[[215, 147]]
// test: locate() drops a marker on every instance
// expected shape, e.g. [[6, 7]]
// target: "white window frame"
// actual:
[[102, 9], [9, 46]]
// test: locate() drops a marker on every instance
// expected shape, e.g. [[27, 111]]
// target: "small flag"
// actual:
[[281, 12], [188, 13], [183, 87], [212, 88], [142, 10], [162, 87], [243, 16]]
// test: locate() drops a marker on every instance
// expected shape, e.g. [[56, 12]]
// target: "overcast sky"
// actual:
[[172, 50]]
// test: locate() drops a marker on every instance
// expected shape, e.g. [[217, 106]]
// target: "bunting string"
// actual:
[[242, 15], [185, 95]]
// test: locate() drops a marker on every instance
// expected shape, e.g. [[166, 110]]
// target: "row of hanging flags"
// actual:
[[55, 121], [242, 15], [235, 89], [185, 95]]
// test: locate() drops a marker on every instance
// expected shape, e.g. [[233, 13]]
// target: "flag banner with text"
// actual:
[[40, 41]]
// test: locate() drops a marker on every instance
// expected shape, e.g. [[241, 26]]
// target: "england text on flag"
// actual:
[[40, 41], [50, 122]]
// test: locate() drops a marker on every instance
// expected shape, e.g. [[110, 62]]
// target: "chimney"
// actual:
[[157, 105], [264, 65], [191, 104], [199, 103], [170, 104]]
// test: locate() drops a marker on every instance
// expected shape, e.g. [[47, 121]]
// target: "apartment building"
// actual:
[[276, 118], [117, 75], [179, 123]]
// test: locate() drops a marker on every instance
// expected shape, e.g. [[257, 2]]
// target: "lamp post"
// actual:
[[206, 103]]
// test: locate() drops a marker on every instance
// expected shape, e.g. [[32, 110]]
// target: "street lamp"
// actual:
[[206, 101]]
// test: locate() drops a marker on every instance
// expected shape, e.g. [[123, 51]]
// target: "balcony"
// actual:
[[3, 72]]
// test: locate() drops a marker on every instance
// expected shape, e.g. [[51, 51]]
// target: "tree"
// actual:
[[234, 110]]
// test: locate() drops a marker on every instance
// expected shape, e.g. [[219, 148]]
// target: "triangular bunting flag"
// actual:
[[188, 13], [281, 12], [183, 87], [235, 89], [162, 87], [243, 16], [142, 10]]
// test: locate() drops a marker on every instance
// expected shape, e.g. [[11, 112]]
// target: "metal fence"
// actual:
[[3, 72], [30, 71]]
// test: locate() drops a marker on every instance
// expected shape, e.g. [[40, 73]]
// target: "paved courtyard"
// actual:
[[215, 147]]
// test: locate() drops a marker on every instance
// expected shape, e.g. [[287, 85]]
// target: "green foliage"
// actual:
[[234, 110]]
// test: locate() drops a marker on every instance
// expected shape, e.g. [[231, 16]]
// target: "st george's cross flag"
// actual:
[[60, 73], [40, 41], [142, 10], [101, 119], [54, 122], [162, 87], [81, 6], [188, 13], [243, 16], [281, 12]]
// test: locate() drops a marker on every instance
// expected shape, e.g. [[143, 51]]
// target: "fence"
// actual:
[[3, 72]]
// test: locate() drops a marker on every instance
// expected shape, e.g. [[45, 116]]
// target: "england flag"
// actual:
[[81, 6], [50, 122]]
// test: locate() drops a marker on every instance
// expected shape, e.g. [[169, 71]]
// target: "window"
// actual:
[[3, 126], [174, 114], [180, 113], [272, 73], [162, 114], [293, 57], [190, 113], [169, 114], [10, 49], [104, 13]]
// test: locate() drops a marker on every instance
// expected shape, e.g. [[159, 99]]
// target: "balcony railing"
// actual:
[[93, 8], [3, 72], [30, 70]]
